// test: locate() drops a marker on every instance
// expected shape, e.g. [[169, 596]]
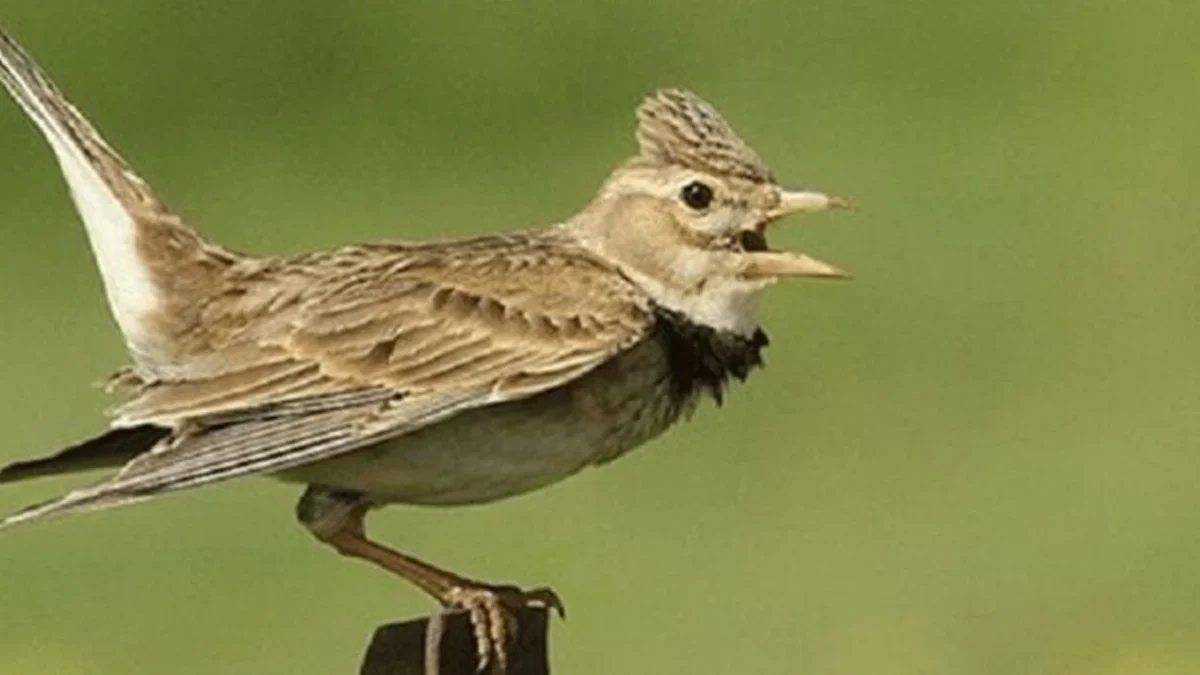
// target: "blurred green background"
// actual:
[[978, 457]]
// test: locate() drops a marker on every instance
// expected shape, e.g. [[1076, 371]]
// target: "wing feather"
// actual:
[[415, 320]]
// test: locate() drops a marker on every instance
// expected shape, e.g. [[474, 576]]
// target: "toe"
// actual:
[[490, 609], [544, 598]]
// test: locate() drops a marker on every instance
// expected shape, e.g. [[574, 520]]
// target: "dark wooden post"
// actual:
[[400, 648]]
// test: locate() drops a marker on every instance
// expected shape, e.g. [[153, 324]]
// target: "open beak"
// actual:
[[777, 264]]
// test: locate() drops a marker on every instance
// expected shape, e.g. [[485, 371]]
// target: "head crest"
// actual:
[[678, 127]]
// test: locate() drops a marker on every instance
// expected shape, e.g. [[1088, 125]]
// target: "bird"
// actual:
[[446, 372]]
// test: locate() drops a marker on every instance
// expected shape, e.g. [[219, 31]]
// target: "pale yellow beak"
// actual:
[[777, 264], [804, 201]]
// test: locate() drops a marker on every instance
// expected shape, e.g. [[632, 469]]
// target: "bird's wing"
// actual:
[[506, 315], [397, 340]]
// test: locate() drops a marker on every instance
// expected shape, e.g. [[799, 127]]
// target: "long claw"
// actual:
[[546, 598]]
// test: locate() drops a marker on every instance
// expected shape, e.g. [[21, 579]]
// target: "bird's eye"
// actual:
[[752, 240], [696, 195]]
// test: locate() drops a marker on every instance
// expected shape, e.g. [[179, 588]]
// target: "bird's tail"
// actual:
[[109, 450], [148, 258]]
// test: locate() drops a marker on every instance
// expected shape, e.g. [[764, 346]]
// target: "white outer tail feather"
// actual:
[[111, 227]]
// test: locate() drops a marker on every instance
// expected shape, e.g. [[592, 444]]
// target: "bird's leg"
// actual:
[[336, 518]]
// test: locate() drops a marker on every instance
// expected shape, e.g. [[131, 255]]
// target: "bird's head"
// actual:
[[686, 217]]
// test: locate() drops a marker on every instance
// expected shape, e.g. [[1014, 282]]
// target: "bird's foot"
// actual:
[[491, 611]]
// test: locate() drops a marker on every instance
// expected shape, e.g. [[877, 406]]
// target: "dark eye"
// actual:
[[752, 240], [696, 195]]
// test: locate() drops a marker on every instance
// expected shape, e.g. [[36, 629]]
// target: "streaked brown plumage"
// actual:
[[438, 373]]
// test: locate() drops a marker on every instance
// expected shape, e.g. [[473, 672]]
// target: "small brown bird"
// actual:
[[440, 373]]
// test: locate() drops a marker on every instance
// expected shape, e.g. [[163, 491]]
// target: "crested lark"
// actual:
[[442, 373]]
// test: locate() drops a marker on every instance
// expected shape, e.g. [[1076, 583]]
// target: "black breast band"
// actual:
[[705, 359]]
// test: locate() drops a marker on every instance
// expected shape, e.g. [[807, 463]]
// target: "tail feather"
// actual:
[[105, 191], [143, 250], [107, 451], [110, 450]]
